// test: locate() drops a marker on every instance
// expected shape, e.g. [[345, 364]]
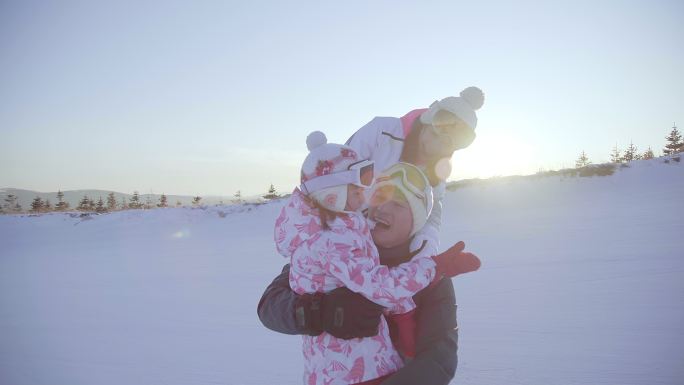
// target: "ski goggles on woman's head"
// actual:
[[359, 174], [455, 136], [411, 179]]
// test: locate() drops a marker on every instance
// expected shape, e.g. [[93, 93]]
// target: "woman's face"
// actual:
[[355, 197], [434, 145], [392, 216]]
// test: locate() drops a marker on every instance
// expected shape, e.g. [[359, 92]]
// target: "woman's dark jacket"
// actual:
[[437, 331]]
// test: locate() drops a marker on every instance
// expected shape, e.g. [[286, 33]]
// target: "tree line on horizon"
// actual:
[[11, 205], [87, 204], [673, 146]]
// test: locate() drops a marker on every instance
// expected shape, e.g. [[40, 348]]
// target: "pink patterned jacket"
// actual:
[[345, 255]]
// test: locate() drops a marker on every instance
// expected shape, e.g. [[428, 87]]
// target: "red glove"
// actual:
[[454, 262]]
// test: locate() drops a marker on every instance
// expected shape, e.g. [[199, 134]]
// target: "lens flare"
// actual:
[[181, 234], [443, 168]]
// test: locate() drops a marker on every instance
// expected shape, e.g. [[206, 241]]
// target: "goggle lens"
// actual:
[[455, 137], [410, 179]]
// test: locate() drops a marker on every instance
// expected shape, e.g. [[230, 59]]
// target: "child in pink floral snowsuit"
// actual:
[[329, 244]]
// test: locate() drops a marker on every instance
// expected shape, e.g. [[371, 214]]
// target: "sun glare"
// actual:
[[489, 157]]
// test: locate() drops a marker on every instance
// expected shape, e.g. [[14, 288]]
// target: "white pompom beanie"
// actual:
[[442, 112], [327, 158]]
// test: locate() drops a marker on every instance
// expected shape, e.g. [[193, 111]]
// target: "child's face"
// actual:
[[355, 197]]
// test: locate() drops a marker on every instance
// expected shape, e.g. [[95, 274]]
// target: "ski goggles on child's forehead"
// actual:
[[411, 180], [359, 173]]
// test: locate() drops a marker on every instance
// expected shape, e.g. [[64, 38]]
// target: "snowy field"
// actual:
[[582, 283]]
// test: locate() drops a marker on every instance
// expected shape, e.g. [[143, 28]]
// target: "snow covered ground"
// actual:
[[582, 283]]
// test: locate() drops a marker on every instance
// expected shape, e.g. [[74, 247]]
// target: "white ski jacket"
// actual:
[[382, 140]]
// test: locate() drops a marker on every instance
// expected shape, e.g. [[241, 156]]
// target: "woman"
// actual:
[[426, 138]]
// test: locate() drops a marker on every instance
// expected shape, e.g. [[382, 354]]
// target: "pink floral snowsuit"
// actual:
[[345, 255]]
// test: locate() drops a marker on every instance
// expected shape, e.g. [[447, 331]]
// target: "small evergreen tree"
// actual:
[[674, 142], [582, 161], [84, 204], [11, 204], [100, 207], [148, 202], [272, 193], [630, 153], [196, 200], [162, 201], [47, 206], [178, 204], [124, 204], [135, 201], [111, 202], [615, 155], [36, 205], [238, 197], [61, 204], [648, 154]]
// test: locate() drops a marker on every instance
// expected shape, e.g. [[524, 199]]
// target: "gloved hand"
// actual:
[[350, 315], [308, 314], [341, 312], [454, 262]]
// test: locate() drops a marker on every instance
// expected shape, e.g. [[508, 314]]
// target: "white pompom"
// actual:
[[315, 139], [474, 96]]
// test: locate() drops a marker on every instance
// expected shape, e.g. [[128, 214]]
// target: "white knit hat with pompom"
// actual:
[[327, 158], [442, 112]]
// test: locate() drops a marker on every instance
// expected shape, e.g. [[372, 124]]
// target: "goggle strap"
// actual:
[[324, 181]]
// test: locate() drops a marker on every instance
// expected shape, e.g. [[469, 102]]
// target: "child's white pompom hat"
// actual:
[[327, 158], [442, 112]]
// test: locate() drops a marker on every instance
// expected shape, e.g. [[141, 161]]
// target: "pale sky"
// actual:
[[200, 97]]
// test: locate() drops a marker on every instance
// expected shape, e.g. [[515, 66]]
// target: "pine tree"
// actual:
[[84, 204], [582, 161], [135, 201], [630, 153], [272, 193], [615, 155], [91, 205], [238, 197], [648, 154], [162, 201], [674, 142], [148, 202], [47, 206], [11, 205], [36, 205], [124, 204], [111, 202], [100, 208], [61, 204], [196, 200]]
